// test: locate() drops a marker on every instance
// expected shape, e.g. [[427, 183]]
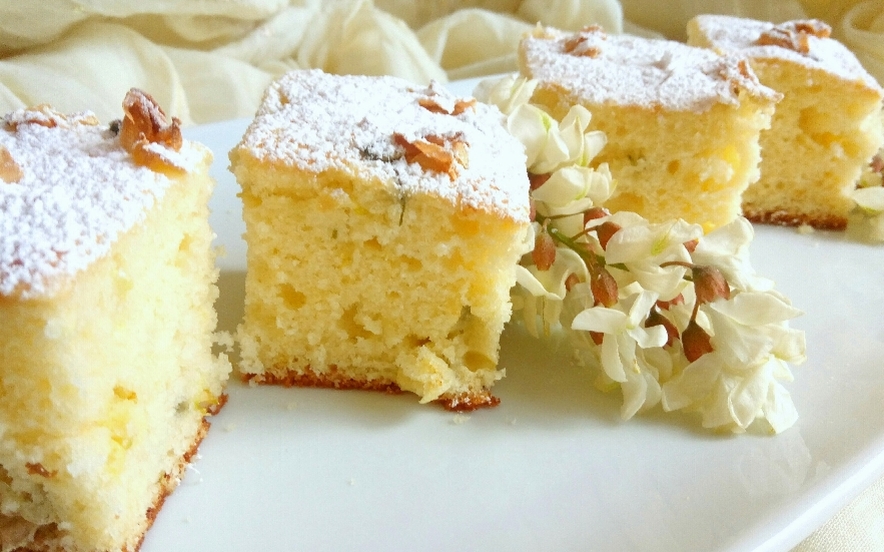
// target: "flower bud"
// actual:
[[666, 305], [538, 180], [696, 341], [603, 286], [544, 253], [657, 319], [594, 213], [710, 284], [571, 281], [605, 231]]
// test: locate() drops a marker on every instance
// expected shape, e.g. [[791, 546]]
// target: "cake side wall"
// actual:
[[351, 275], [116, 377]]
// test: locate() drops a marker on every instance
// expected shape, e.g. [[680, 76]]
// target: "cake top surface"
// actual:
[[421, 138], [636, 71], [68, 189], [805, 42]]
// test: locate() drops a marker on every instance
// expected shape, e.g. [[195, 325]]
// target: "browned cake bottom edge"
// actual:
[[47, 538], [335, 378], [785, 218]]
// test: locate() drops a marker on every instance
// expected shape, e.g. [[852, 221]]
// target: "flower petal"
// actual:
[[753, 308], [693, 385]]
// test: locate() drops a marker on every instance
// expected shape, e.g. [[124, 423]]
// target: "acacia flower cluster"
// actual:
[[866, 221], [668, 315]]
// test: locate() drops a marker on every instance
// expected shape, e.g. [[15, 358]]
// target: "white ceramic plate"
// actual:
[[553, 467]]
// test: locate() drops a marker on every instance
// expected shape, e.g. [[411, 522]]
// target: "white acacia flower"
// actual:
[[623, 331], [731, 397], [574, 189], [870, 199], [866, 221], [736, 377], [727, 249], [569, 192], [739, 380], [643, 247], [507, 92], [642, 389], [749, 328], [541, 292], [549, 144]]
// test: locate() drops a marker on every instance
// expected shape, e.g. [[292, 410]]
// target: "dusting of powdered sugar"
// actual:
[[78, 192], [628, 70], [316, 121], [728, 33]]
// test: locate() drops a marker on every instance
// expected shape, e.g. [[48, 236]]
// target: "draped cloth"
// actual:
[[210, 60]]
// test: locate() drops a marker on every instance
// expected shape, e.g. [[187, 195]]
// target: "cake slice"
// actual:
[[682, 123], [106, 321], [384, 222], [826, 129]]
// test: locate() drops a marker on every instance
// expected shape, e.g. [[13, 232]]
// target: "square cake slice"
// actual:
[[106, 324], [384, 222], [826, 129], [682, 124]]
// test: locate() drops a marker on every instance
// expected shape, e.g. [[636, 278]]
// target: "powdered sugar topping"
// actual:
[[729, 33], [418, 139], [79, 190], [630, 70]]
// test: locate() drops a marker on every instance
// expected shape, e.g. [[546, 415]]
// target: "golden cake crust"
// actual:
[[334, 378], [47, 538]]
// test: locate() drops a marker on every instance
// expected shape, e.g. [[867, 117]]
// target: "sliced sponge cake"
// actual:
[[384, 222], [824, 132], [682, 124], [106, 321]]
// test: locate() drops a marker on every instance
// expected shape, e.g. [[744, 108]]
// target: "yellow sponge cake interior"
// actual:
[[384, 222], [106, 321], [682, 124], [825, 130]]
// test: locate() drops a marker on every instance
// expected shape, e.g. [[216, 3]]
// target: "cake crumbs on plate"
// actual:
[[459, 419]]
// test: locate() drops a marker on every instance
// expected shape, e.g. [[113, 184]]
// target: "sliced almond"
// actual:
[[432, 103], [144, 122], [10, 171], [795, 35], [45, 115], [586, 43], [435, 153]]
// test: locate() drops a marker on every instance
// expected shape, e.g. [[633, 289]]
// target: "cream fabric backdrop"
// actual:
[[210, 60]]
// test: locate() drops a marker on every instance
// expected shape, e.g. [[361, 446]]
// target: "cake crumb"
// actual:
[[195, 479], [459, 419], [291, 405], [351, 482], [805, 229], [229, 427], [225, 339]]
